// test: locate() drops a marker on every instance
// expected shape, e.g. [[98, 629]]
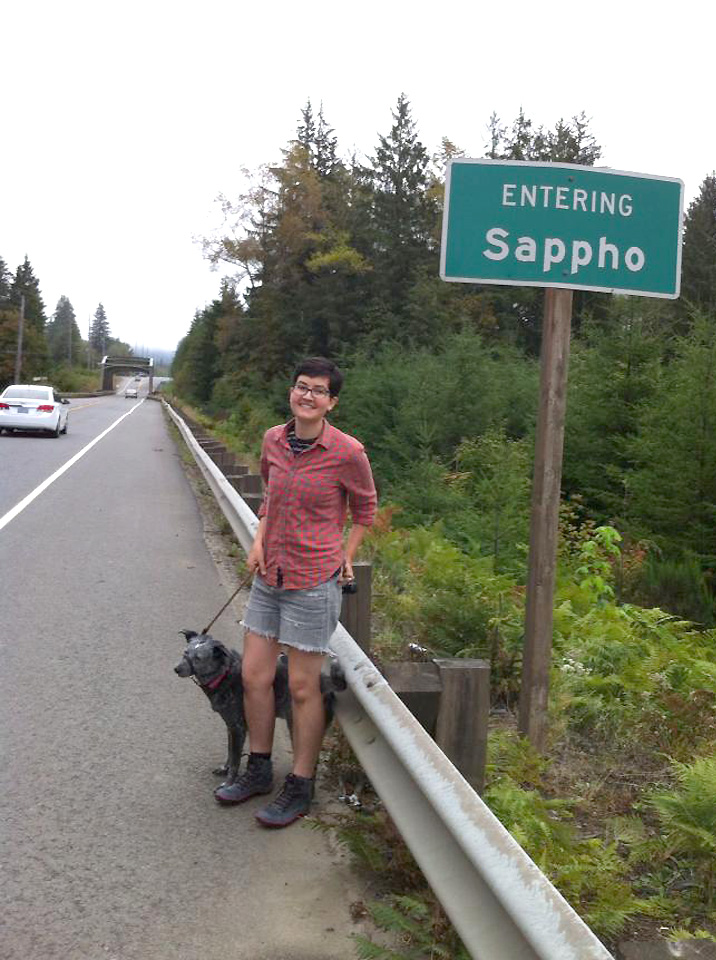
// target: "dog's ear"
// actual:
[[189, 634], [221, 651]]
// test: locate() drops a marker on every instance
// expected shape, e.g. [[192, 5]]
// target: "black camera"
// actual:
[[350, 586]]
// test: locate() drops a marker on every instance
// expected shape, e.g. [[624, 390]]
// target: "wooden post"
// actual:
[[461, 728], [418, 684], [239, 470], [356, 607], [253, 501], [251, 483], [218, 455], [549, 444]]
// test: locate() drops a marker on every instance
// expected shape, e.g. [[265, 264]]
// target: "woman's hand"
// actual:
[[346, 574], [255, 560], [355, 536]]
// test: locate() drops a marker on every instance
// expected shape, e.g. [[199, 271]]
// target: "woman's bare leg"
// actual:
[[258, 670], [309, 721]]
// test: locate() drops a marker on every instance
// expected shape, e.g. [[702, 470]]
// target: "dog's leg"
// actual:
[[223, 770], [237, 736]]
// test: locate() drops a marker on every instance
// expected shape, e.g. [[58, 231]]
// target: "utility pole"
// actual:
[[20, 326]]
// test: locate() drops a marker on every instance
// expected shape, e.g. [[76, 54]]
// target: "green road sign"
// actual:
[[562, 225]]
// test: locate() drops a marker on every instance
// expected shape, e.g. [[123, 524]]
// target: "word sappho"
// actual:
[[554, 251]]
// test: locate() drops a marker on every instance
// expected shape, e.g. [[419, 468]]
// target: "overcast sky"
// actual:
[[123, 121]]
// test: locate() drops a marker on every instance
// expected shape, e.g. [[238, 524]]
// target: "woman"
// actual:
[[312, 474]]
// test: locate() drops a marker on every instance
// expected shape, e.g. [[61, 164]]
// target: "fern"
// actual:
[[688, 812], [411, 921]]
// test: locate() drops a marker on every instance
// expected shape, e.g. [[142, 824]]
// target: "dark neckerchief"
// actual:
[[297, 444]]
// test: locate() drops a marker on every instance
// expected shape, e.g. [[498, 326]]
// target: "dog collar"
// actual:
[[213, 684]]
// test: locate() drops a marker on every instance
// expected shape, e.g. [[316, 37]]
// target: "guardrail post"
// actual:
[[209, 445], [218, 455], [461, 728], [356, 607], [253, 501], [417, 683], [251, 483], [226, 462], [236, 472], [451, 699]]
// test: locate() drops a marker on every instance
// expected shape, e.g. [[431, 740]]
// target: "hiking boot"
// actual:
[[256, 779], [293, 801]]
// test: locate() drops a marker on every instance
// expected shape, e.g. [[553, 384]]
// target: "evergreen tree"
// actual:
[[496, 474], [308, 279], [614, 370], [673, 487], [698, 276], [404, 211], [196, 365], [63, 335], [8, 326], [35, 355], [569, 142], [26, 282], [5, 282], [325, 158], [317, 139], [99, 331], [306, 132]]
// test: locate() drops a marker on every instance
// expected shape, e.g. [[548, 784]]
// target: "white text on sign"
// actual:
[[554, 251], [566, 198]]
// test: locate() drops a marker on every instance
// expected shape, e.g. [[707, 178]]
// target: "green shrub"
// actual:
[[590, 873], [687, 814], [74, 379], [625, 675], [677, 585], [429, 592]]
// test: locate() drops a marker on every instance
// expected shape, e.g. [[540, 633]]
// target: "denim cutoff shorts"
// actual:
[[304, 619]]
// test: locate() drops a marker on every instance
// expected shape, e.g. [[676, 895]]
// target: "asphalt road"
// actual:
[[111, 844]]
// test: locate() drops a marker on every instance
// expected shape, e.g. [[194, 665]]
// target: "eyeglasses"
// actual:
[[304, 390]]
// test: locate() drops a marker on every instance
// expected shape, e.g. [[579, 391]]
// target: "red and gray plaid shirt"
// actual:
[[305, 503]]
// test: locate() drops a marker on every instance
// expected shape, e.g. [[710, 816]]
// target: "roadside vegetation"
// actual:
[[337, 256]]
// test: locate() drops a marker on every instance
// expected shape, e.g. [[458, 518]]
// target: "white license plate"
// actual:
[[23, 409]]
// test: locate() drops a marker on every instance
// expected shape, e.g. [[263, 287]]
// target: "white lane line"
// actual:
[[26, 501]]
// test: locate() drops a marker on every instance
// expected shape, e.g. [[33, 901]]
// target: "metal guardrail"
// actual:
[[500, 902]]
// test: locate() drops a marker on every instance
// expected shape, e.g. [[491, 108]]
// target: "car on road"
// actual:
[[130, 392], [32, 407], [137, 379]]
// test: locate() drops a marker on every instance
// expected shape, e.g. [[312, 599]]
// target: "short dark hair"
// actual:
[[320, 367]]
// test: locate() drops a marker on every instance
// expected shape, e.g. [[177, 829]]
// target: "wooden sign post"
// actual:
[[546, 484]]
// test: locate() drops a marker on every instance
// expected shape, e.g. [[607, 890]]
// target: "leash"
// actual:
[[240, 587]]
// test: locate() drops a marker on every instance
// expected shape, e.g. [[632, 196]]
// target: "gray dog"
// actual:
[[217, 670]]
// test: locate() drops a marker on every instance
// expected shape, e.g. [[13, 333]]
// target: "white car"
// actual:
[[130, 392], [33, 407]]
